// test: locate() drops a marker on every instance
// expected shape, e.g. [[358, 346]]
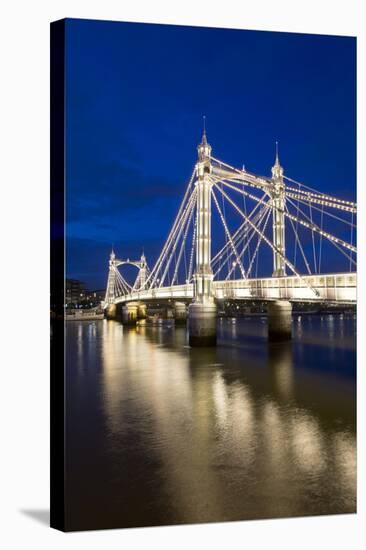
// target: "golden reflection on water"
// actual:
[[280, 362], [307, 443], [230, 437]]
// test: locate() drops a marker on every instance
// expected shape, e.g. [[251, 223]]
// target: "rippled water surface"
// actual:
[[159, 433]]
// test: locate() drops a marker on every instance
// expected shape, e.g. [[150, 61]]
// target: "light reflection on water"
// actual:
[[159, 433]]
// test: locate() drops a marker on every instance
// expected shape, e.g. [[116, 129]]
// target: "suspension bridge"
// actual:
[[228, 219]]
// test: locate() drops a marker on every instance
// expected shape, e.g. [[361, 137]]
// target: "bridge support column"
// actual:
[[279, 321], [278, 218], [141, 311], [202, 324], [180, 313], [129, 314], [111, 312], [202, 311]]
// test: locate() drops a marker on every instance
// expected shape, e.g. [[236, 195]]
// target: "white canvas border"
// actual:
[[25, 268]]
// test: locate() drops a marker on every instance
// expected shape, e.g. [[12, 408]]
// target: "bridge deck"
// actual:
[[334, 287]]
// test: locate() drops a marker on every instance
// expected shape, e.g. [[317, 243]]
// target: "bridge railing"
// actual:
[[339, 287], [333, 287]]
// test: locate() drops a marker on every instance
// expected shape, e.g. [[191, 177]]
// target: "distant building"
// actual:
[[77, 295], [75, 291], [95, 297]]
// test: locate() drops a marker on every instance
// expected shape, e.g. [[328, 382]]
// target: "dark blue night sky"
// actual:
[[135, 98]]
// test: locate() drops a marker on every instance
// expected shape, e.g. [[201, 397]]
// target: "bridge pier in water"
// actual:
[[141, 311], [180, 313], [202, 324], [111, 312], [129, 314], [279, 315]]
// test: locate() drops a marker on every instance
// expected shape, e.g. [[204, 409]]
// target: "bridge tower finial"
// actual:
[[204, 148], [277, 170]]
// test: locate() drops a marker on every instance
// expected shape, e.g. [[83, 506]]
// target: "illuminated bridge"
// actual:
[[231, 225]]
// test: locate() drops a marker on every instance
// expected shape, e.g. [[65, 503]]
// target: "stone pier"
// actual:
[[180, 313], [279, 321], [129, 314], [202, 324], [141, 311], [111, 312]]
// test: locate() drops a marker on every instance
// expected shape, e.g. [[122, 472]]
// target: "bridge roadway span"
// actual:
[[338, 288]]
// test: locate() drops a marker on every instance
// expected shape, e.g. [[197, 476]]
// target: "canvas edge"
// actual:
[[57, 274]]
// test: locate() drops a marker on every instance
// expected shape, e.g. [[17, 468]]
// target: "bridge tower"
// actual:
[[279, 311], [278, 218], [109, 295], [111, 309], [141, 277], [202, 311]]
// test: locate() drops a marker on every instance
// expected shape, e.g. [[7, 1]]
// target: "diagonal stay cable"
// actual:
[[251, 233], [260, 238], [334, 240], [312, 227], [270, 244], [153, 274], [179, 233], [298, 242], [187, 226], [258, 222], [242, 270]]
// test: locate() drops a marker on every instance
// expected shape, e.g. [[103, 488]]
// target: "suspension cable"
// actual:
[[190, 269], [309, 197], [334, 240], [242, 270], [226, 238], [315, 193], [312, 227], [257, 220], [313, 238], [297, 241], [297, 226], [350, 263], [271, 245], [189, 219], [172, 240], [321, 238], [262, 182], [153, 275], [184, 219], [305, 202], [260, 238], [242, 227]]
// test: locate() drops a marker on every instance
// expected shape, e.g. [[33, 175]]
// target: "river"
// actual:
[[159, 433]]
